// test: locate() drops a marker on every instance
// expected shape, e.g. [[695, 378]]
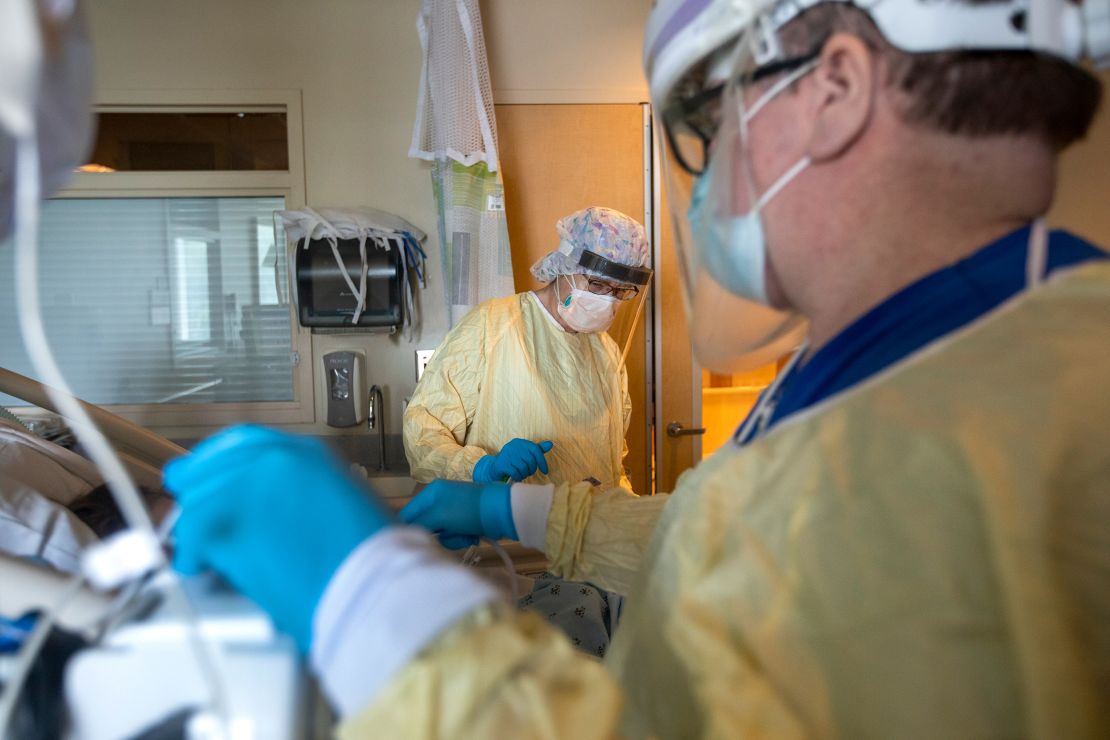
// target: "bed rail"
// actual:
[[129, 437]]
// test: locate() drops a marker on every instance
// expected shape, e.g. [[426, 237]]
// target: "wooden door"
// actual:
[[557, 159], [677, 379]]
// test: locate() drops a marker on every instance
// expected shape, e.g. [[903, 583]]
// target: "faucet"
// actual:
[[376, 416]]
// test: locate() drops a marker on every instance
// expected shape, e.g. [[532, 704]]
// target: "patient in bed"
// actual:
[[53, 502], [98, 509], [37, 480]]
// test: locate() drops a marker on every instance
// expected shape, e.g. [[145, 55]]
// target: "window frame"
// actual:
[[289, 184]]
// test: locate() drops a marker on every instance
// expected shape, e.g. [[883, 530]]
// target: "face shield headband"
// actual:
[[716, 220], [603, 267]]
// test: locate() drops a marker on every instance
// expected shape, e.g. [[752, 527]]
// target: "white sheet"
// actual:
[[31, 525], [37, 480]]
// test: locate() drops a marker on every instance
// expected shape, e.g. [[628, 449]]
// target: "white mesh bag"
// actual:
[[454, 113], [456, 129]]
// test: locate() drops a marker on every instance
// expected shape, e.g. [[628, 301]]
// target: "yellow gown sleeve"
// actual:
[[600, 536], [443, 405], [498, 673]]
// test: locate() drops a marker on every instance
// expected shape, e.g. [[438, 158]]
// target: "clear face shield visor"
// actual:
[[715, 206], [623, 287]]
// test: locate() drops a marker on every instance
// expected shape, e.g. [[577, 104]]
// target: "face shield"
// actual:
[[616, 290], [715, 206]]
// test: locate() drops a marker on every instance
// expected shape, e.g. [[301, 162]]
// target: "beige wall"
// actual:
[[572, 51], [357, 63], [1083, 193]]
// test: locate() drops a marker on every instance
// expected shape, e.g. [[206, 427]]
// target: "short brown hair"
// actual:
[[99, 511], [969, 93]]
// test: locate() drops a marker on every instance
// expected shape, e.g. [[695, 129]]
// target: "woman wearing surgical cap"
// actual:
[[532, 388]]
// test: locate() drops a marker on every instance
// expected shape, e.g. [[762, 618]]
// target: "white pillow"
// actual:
[[37, 480], [31, 525]]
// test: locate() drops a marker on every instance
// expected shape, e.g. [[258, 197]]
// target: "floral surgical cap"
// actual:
[[611, 234]]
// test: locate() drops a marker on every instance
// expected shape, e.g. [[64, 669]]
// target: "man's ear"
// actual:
[[843, 90]]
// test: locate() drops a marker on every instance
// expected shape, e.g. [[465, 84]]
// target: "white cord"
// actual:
[[207, 660], [510, 571], [471, 558], [27, 196]]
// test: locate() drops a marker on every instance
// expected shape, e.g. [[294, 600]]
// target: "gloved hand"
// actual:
[[517, 460], [459, 512], [275, 514]]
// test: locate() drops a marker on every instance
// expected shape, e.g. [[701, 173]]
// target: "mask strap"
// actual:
[[558, 296], [1036, 254], [782, 182], [778, 87]]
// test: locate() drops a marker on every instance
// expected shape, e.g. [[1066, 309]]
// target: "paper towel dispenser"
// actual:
[[324, 295]]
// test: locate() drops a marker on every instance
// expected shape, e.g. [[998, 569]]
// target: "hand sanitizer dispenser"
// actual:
[[346, 388]]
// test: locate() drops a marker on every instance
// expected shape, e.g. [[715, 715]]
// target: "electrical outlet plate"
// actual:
[[423, 357]]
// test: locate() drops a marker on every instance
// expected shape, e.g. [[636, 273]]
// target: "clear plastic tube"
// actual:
[[509, 569], [28, 193]]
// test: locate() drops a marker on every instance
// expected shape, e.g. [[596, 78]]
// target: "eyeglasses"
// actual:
[[691, 123], [604, 287]]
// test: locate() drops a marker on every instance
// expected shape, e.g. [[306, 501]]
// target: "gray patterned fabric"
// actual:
[[585, 613]]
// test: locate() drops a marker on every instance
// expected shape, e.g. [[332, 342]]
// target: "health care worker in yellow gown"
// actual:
[[531, 386], [910, 535]]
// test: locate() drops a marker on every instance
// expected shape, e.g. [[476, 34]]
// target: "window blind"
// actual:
[[160, 300]]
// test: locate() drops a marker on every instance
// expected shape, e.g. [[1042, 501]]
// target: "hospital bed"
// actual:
[[142, 451], [264, 683], [144, 668]]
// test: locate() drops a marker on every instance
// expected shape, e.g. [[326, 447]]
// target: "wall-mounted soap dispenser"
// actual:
[[344, 376]]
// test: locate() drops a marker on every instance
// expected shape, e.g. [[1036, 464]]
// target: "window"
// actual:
[[160, 300], [164, 286], [190, 141]]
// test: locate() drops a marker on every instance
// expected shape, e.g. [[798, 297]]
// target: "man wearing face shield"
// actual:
[[531, 387], [908, 536]]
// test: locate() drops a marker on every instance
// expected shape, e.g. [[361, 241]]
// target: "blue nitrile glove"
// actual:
[[517, 460], [275, 514], [459, 513]]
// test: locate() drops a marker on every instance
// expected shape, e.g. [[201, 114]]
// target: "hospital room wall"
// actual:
[[357, 65], [1082, 203]]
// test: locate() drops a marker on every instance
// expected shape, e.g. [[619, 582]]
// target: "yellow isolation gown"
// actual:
[[508, 370], [924, 555]]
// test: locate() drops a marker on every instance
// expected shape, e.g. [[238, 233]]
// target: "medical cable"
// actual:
[[510, 571], [120, 485], [27, 193], [472, 558]]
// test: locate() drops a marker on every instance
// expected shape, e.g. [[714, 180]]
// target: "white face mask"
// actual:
[[733, 248], [584, 311]]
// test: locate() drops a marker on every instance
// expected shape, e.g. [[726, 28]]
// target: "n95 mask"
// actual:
[[587, 312]]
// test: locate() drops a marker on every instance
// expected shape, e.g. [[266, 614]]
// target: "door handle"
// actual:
[[675, 429]]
